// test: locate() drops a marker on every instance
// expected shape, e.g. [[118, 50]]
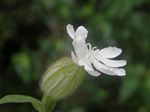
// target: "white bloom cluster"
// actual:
[[94, 61]]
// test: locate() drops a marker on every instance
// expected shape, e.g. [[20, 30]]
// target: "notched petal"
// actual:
[[81, 33]]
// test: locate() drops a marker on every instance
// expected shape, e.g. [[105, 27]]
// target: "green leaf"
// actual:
[[21, 99]]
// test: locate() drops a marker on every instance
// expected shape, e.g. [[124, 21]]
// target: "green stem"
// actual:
[[48, 104]]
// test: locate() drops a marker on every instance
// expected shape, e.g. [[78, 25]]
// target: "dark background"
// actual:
[[33, 35]]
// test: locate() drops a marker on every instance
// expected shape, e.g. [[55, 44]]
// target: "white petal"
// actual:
[[121, 72], [114, 71], [70, 30], [109, 52], [113, 63], [88, 67], [81, 33], [74, 58], [108, 70], [102, 68], [81, 48], [94, 73]]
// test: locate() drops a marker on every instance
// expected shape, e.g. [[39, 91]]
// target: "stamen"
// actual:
[[89, 46], [94, 48]]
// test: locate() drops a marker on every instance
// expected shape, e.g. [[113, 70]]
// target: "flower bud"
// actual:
[[61, 79]]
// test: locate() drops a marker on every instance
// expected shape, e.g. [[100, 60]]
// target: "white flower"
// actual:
[[94, 60]]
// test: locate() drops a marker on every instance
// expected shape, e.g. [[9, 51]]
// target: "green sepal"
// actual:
[[62, 78], [48, 104]]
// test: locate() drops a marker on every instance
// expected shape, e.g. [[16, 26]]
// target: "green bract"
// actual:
[[61, 79]]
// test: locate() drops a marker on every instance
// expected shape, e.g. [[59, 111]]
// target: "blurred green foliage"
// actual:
[[33, 35]]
